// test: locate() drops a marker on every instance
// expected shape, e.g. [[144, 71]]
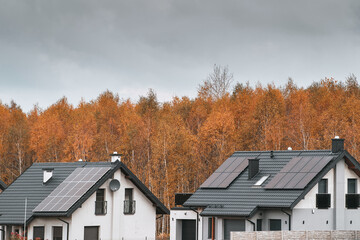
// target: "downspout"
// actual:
[[67, 228], [289, 218], [213, 228], [252, 224], [2, 232], [197, 223]]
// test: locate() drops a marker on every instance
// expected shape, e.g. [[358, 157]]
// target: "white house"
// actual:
[[273, 190], [80, 200]]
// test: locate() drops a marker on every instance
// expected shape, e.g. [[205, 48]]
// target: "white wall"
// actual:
[[337, 216], [266, 215], [48, 224], [114, 225], [176, 217], [309, 200]]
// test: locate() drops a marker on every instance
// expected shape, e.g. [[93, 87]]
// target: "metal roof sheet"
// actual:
[[29, 185], [242, 198]]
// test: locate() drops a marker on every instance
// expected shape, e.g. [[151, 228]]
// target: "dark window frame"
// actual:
[[323, 186], [353, 184], [129, 202], [100, 203], [277, 221], [258, 224], [92, 227], [35, 228], [54, 237]]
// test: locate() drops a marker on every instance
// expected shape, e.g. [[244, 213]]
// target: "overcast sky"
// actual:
[[78, 49]]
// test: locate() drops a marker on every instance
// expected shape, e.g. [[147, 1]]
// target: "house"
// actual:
[[273, 190], [80, 200]]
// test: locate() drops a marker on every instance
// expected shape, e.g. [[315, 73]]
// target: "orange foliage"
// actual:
[[174, 146]]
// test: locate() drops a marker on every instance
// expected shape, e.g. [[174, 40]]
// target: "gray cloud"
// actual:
[[80, 48]]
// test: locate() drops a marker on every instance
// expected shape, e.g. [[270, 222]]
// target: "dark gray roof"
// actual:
[[29, 185], [241, 198]]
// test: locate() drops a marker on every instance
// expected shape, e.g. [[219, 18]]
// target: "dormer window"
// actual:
[[47, 174]]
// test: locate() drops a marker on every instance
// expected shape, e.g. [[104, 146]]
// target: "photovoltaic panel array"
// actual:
[[298, 172], [71, 189], [226, 173]]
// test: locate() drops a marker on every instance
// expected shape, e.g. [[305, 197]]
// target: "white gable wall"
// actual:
[[306, 216], [114, 225]]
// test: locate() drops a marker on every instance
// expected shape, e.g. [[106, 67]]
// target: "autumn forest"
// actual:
[[174, 146]]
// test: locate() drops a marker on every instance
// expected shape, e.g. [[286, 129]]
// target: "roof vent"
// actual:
[[337, 144], [253, 167], [289, 148], [47, 174], [115, 157]]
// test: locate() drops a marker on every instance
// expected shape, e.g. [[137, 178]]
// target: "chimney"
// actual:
[[337, 144], [47, 174], [253, 167], [115, 157]]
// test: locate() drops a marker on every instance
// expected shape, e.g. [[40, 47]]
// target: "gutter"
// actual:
[[289, 218], [252, 224], [67, 228]]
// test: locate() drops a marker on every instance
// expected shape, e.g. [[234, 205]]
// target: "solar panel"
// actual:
[[71, 189], [226, 173], [298, 172]]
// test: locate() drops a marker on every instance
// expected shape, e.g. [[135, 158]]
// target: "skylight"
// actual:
[[261, 180]]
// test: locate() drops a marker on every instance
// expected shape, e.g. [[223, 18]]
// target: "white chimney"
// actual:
[[47, 174], [115, 157]]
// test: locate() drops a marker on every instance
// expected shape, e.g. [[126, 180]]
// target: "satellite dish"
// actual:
[[114, 185]]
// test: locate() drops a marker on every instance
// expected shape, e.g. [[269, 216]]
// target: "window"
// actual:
[[259, 225], [323, 200], [352, 198], [38, 233], [91, 233], [100, 203], [261, 181], [57, 233], [210, 228], [129, 203], [233, 225], [275, 224], [352, 186], [323, 186]]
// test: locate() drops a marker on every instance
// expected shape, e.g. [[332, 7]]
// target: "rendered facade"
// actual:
[[283, 190], [80, 200]]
